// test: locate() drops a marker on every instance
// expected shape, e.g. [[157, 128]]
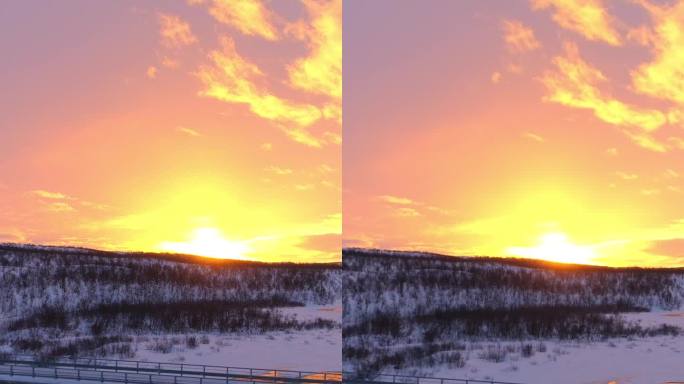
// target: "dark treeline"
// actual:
[[34, 249], [564, 323], [406, 309], [124, 318], [510, 261]]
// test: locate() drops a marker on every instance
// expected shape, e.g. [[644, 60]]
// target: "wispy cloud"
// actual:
[[188, 131], [279, 170], [60, 202], [325, 169], [304, 187], [250, 17], [232, 78], [533, 137], [60, 206], [406, 212], [49, 195], [519, 38], [151, 72], [575, 83], [663, 76], [405, 207], [175, 32], [321, 71], [589, 18], [396, 200], [671, 174], [667, 247], [169, 62], [650, 191], [627, 176]]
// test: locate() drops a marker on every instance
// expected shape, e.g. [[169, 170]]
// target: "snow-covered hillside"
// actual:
[[56, 301], [419, 313]]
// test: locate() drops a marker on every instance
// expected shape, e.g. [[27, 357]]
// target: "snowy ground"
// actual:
[[313, 351], [618, 361]]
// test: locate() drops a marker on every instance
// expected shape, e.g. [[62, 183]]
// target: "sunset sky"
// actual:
[[543, 128], [199, 126]]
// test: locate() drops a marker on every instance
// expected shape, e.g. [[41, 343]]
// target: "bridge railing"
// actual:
[[173, 369], [225, 373], [86, 375]]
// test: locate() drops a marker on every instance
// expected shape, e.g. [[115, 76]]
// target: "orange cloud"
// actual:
[[586, 17], [175, 32], [151, 72], [668, 247], [321, 71], [671, 174], [250, 17], [518, 37], [232, 78], [396, 200], [169, 62], [188, 131], [406, 212], [575, 83], [304, 187], [60, 206], [533, 137], [404, 207], [279, 170], [60, 202], [49, 195], [663, 76], [644, 140], [627, 176]]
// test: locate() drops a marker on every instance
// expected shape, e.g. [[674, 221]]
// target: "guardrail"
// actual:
[[107, 377], [132, 371], [125, 371]]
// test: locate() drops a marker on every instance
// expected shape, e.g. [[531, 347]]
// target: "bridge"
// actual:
[[22, 369], [26, 368]]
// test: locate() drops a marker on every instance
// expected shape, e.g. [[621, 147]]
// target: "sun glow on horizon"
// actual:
[[216, 133], [556, 247], [209, 242]]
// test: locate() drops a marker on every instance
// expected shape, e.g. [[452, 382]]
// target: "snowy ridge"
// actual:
[[56, 301], [437, 281], [72, 280], [405, 312]]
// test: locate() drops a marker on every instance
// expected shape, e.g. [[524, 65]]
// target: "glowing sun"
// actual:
[[555, 247], [209, 242]]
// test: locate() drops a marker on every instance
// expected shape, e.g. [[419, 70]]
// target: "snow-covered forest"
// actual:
[[57, 301], [407, 311]]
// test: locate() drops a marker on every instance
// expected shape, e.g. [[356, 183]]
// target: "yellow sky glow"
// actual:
[[203, 127], [548, 129]]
